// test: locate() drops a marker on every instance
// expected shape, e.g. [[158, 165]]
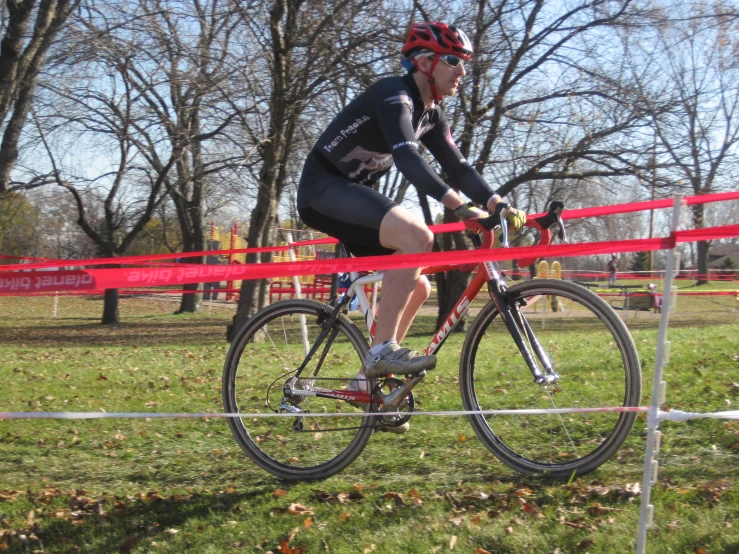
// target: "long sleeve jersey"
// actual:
[[383, 126]]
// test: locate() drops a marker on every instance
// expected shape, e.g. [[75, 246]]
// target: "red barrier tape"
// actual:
[[45, 281], [442, 228], [36, 281], [13, 282]]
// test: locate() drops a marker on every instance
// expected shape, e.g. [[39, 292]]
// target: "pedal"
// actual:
[[396, 396]]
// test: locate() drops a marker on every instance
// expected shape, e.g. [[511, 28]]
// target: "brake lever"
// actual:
[[556, 208], [501, 210], [497, 219]]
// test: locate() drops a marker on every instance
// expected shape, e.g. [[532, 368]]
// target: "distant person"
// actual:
[[656, 298], [612, 268]]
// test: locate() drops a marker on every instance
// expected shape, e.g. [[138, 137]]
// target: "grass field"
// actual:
[[136, 485]]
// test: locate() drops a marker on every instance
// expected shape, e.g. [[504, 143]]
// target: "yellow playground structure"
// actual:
[[311, 286], [544, 272]]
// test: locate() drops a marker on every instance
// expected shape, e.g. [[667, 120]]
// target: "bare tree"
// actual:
[[304, 47], [193, 96], [97, 106], [22, 57], [698, 138]]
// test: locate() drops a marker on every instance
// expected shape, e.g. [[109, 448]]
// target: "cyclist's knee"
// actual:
[[415, 239], [405, 233], [423, 287]]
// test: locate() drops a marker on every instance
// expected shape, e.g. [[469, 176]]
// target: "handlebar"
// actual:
[[543, 223]]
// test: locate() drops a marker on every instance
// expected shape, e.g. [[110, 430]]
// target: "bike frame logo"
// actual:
[[449, 324]]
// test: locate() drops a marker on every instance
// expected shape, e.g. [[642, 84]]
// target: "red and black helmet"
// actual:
[[437, 37]]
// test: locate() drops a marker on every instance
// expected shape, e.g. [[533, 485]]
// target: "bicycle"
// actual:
[[537, 344]]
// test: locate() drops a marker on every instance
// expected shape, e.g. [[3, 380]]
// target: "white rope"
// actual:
[[672, 415], [677, 415], [160, 415]]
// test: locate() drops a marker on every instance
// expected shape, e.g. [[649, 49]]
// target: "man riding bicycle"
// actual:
[[379, 128]]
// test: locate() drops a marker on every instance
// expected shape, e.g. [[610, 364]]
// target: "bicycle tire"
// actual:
[[265, 353], [592, 351]]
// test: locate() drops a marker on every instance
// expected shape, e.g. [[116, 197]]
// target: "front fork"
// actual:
[[517, 326]]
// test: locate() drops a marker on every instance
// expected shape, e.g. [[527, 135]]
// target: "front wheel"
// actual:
[[265, 354], [593, 353]]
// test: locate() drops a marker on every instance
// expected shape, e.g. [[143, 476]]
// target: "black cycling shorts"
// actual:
[[342, 208]]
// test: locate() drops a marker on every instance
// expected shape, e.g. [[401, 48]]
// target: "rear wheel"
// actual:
[[595, 357], [264, 356]]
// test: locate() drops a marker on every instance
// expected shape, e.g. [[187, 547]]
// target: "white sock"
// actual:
[[375, 350]]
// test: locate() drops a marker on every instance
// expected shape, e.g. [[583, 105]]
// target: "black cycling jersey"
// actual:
[[382, 126]]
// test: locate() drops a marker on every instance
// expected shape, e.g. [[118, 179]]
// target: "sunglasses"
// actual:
[[451, 60]]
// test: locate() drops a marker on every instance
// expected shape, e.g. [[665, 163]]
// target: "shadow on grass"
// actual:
[[139, 333], [116, 524]]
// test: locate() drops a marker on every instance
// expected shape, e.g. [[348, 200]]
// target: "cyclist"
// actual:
[[379, 128]]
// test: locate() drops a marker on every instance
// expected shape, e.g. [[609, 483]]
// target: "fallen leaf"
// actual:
[[280, 492], [479, 550], [285, 548], [587, 543], [600, 510], [296, 508], [461, 437], [396, 496], [630, 491], [452, 542], [171, 531], [308, 523]]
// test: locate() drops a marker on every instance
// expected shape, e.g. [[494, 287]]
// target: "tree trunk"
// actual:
[[451, 285], [11, 137], [24, 69], [191, 302], [19, 14], [702, 246], [252, 293], [110, 308]]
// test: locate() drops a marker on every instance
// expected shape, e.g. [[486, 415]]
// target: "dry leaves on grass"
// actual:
[[296, 508], [339, 497], [285, 547], [396, 497]]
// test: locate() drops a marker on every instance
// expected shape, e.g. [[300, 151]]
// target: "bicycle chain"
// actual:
[[331, 379]]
